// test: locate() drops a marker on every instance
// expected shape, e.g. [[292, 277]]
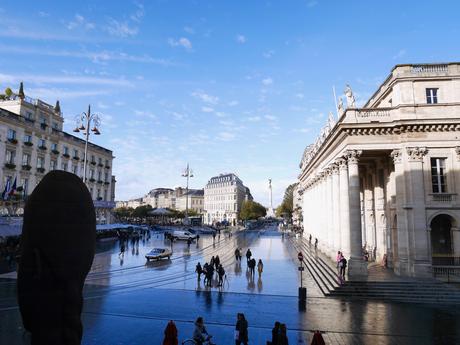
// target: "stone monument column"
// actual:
[[344, 211], [357, 266], [329, 214], [336, 240], [401, 242], [419, 236]]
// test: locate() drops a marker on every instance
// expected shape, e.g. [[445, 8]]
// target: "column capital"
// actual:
[[396, 155], [416, 154], [341, 163], [457, 151], [353, 156], [334, 168]]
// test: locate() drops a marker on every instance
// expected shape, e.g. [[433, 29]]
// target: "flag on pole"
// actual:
[[6, 192], [13, 188]]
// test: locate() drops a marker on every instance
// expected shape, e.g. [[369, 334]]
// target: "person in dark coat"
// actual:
[[241, 330], [275, 333], [248, 255], [57, 249], [282, 337], [170, 334], [217, 261], [198, 270]]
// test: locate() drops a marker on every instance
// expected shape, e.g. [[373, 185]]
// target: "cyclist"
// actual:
[[200, 335]]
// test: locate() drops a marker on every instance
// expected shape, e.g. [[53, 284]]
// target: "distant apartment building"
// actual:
[[223, 196], [194, 198], [32, 143]]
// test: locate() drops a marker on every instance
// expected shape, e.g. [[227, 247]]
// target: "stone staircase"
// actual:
[[379, 285]]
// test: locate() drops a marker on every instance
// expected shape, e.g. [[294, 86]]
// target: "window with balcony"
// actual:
[[75, 169], [10, 155], [105, 194], [54, 146], [431, 96], [42, 144], [438, 175], [64, 166], [91, 173], [106, 177], [25, 159], [25, 186], [27, 139], [75, 153], [66, 150], [29, 116], [53, 164]]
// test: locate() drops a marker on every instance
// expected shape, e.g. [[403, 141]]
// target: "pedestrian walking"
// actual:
[[189, 242], [241, 330], [337, 260], [343, 267], [317, 339], [316, 243], [221, 273], [198, 270], [309, 239], [214, 236], [122, 249], [170, 334], [260, 267], [216, 262], [248, 255], [237, 254], [252, 266]]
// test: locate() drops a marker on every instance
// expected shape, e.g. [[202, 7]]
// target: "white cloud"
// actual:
[[268, 54], [302, 130], [267, 81], [207, 109], [138, 14], [182, 42], [120, 29], [206, 98], [254, 118], [102, 105], [43, 14], [399, 54], [241, 39], [80, 22], [51, 93], [312, 3], [226, 136], [233, 103], [189, 30], [300, 95], [58, 79], [270, 117]]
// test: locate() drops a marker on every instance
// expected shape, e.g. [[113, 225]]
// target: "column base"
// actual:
[[423, 270], [401, 267], [357, 267]]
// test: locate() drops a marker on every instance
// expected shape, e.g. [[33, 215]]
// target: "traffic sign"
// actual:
[[301, 268], [300, 256]]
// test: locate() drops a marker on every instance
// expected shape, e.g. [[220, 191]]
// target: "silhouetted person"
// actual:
[[198, 270], [275, 333], [57, 250], [282, 338], [241, 329], [248, 255], [316, 243], [170, 334]]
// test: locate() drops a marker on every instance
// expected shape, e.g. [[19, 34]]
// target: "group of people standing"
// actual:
[[208, 270], [250, 261]]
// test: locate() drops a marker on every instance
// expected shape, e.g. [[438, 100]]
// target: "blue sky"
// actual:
[[229, 86]]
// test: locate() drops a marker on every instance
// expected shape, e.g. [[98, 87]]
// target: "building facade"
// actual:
[[194, 200], [32, 142], [386, 177], [223, 196]]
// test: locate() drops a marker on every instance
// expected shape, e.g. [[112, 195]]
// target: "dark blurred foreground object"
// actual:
[[57, 250], [170, 334], [317, 339]]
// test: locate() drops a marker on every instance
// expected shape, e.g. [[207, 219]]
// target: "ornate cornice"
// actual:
[[457, 151], [416, 153], [341, 163], [334, 168], [409, 128]]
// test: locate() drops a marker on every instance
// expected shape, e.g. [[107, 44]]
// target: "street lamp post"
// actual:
[[87, 119], [187, 173]]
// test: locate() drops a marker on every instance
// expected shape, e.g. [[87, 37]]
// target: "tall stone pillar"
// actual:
[[329, 213], [400, 236], [344, 209], [419, 236], [357, 266], [336, 239]]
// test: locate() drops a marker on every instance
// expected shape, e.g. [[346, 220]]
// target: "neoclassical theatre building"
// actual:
[[386, 177]]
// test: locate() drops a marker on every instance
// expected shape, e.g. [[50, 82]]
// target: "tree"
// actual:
[[141, 211], [252, 210], [286, 208], [123, 212]]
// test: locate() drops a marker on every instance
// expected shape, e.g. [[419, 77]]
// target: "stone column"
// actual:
[[357, 266], [400, 238], [419, 236], [344, 209], [329, 214], [380, 218], [336, 239]]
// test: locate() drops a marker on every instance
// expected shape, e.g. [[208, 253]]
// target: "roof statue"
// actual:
[[340, 110], [351, 102]]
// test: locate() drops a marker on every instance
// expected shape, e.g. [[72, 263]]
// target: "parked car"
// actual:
[[158, 253], [183, 235]]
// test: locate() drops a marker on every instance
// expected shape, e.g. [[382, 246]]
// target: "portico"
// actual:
[[384, 178]]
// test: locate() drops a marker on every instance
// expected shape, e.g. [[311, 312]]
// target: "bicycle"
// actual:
[[193, 342]]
